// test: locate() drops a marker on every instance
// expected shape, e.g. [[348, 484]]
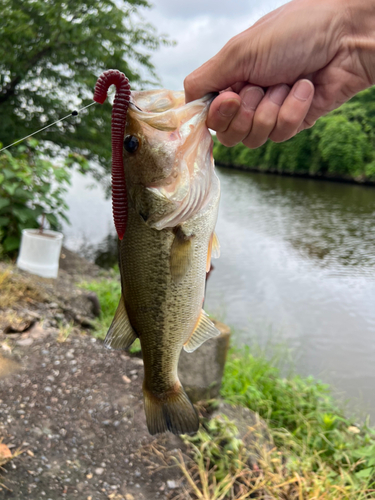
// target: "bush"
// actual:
[[340, 144], [30, 187]]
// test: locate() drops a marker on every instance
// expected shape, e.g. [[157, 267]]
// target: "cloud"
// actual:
[[201, 28], [195, 8]]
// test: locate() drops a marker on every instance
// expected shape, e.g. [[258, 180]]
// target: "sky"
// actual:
[[200, 28]]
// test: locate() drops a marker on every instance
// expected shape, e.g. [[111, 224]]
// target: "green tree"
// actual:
[[51, 53], [343, 145], [31, 187]]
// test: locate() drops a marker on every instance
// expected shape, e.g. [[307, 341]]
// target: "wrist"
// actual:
[[359, 35]]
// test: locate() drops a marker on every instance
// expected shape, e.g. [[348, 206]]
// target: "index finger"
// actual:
[[218, 73]]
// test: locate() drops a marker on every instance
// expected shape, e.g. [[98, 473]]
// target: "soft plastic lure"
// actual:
[[119, 112]]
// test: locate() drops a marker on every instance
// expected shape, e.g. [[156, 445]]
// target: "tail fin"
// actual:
[[172, 411]]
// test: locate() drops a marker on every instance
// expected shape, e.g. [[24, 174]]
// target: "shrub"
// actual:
[[30, 187]]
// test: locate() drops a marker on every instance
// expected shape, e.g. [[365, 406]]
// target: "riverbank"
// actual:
[[300, 437], [340, 147], [346, 179], [76, 412]]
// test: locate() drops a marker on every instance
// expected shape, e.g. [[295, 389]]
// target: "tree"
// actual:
[[31, 188], [51, 53]]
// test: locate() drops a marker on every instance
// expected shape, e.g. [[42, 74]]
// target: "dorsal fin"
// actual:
[[203, 331], [120, 334]]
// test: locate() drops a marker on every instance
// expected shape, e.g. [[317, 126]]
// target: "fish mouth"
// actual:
[[176, 132], [166, 110]]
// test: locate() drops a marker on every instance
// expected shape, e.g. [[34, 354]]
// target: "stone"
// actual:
[[201, 371], [99, 471], [25, 342], [172, 484], [252, 429]]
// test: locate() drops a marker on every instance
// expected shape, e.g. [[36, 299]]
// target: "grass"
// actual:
[[108, 291], [319, 454], [14, 288]]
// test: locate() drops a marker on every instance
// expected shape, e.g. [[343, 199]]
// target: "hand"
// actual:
[[293, 66]]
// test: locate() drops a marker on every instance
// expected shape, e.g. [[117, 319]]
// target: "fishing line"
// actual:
[[73, 113]]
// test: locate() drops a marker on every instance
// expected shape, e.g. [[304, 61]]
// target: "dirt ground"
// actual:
[[73, 407]]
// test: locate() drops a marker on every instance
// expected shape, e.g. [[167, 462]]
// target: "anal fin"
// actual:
[[203, 331], [120, 334]]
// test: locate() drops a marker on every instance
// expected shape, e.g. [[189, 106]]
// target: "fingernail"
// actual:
[[229, 107], [279, 93], [252, 98], [303, 90]]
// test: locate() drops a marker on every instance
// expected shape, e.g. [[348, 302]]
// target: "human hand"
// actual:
[[291, 67]]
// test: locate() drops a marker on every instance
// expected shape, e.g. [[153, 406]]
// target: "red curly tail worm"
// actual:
[[119, 111]]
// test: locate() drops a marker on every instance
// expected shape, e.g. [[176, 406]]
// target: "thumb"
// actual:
[[222, 71]]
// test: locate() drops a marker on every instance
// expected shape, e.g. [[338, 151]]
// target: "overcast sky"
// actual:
[[200, 28]]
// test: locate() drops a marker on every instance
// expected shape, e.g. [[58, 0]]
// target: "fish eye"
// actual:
[[131, 143]]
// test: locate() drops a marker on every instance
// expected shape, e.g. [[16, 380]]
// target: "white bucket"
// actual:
[[40, 252]]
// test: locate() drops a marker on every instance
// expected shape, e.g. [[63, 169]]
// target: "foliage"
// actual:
[[14, 288], [30, 186], [218, 467], [302, 414], [108, 291], [318, 454], [51, 53], [341, 144]]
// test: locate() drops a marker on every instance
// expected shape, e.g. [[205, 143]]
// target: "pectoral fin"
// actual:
[[181, 255], [213, 250], [204, 330], [120, 334]]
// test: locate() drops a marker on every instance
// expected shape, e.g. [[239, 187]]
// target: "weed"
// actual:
[[64, 332], [109, 293], [14, 288]]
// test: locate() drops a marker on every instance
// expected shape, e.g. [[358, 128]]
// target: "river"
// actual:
[[297, 270]]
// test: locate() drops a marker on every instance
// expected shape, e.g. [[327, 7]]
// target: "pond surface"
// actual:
[[297, 268]]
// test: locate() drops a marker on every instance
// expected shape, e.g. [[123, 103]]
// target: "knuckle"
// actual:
[[288, 121], [240, 130], [226, 140], [253, 142], [189, 83], [277, 137], [264, 120]]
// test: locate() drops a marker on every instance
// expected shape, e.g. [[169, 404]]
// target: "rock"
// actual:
[[37, 331], [172, 484], [252, 429], [25, 342], [7, 366], [99, 471], [201, 371]]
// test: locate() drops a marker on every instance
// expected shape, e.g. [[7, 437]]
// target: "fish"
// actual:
[[172, 198]]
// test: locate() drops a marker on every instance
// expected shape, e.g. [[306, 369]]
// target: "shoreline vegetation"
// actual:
[[340, 147], [317, 452]]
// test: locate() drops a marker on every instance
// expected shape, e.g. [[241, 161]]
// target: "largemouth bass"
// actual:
[[172, 202]]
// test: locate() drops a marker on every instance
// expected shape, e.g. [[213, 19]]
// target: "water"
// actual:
[[297, 267]]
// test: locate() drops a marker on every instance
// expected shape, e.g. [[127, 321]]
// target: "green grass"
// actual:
[[108, 291], [319, 453], [301, 411]]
